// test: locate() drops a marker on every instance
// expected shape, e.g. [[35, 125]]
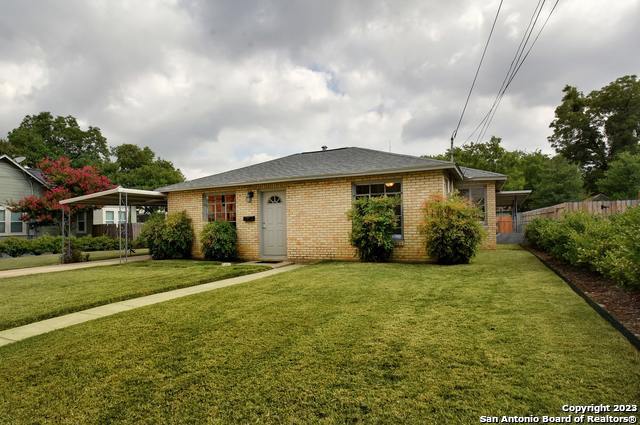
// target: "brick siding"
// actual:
[[317, 223]]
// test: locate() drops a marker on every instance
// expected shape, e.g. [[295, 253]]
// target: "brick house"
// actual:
[[295, 207]]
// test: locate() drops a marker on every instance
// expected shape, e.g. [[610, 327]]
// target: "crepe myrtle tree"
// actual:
[[63, 181]]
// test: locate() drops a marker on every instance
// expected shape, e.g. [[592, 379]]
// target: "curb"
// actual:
[[630, 336]]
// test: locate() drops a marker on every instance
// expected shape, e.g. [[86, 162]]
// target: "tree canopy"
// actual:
[[140, 169], [45, 136], [622, 179], [552, 179], [592, 130]]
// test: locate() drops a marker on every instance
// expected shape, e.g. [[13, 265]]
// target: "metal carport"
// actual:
[[123, 198]]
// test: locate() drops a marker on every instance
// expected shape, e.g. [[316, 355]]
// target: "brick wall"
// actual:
[[490, 207], [317, 222]]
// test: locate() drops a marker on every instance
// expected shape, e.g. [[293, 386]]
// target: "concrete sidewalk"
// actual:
[[9, 336], [65, 267]]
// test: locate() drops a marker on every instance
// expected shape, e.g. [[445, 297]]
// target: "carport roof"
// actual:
[[113, 196]]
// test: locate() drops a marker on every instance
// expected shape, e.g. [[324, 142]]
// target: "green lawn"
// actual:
[[333, 343], [51, 259], [27, 299]]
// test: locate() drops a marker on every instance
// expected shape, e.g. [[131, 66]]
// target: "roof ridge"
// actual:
[[402, 155]]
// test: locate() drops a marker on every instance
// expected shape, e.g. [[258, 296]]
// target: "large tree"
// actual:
[[45, 136], [592, 130], [553, 180], [622, 179], [490, 156], [139, 168]]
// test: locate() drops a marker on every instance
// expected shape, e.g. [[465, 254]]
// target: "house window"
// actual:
[[477, 196], [17, 225], [3, 217], [221, 207], [109, 217], [384, 189], [122, 216], [81, 222]]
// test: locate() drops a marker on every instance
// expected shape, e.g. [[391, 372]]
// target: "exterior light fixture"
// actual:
[[249, 196], [389, 184]]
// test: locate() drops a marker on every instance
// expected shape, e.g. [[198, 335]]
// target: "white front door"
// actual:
[[274, 231]]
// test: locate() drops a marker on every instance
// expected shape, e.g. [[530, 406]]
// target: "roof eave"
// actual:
[[21, 168], [317, 177]]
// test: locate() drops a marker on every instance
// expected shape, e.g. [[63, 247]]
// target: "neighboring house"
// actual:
[[296, 207], [113, 215], [17, 182]]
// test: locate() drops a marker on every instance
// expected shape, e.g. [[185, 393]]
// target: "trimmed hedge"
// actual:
[[16, 247], [219, 241], [452, 229], [607, 245]]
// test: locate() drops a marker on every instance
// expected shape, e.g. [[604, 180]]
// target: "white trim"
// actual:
[[7, 223], [23, 169]]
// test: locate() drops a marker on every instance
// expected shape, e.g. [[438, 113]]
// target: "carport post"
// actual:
[[62, 232], [126, 227], [119, 228]]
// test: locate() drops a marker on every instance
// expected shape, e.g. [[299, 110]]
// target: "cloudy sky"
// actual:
[[214, 85]]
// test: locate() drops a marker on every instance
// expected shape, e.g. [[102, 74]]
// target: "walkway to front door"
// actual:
[[274, 231]]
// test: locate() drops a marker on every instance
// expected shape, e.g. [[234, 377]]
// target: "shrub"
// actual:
[[168, 238], [373, 221], [607, 245], [219, 241], [97, 243], [452, 230], [16, 247], [73, 254], [46, 244], [622, 261]]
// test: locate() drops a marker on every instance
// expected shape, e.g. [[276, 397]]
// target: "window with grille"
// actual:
[[220, 207], [368, 190]]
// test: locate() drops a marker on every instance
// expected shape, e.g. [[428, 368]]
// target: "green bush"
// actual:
[[16, 247], [46, 244], [168, 238], [452, 230], [71, 253], [607, 245], [373, 221], [97, 243], [219, 241], [151, 234], [622, 260]]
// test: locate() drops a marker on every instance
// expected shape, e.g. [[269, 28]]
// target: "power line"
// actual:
[[515, 72], [511, 67], [519, 60], [475, 77]]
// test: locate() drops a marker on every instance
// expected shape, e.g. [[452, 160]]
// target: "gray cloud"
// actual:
[[216, 85]]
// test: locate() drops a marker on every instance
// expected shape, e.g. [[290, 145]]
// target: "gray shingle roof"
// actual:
[[340, 162], [474, 173]]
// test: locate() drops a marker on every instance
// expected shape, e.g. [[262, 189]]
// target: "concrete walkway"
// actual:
[[9, 336], [65, 267]]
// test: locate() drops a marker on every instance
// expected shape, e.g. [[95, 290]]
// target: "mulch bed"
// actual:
[[622, 304]]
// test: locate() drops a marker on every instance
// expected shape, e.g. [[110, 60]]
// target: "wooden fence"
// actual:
[[591, 207], [111, 230]]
